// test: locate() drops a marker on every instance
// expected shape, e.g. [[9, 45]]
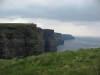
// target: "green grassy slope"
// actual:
[[81, 62]]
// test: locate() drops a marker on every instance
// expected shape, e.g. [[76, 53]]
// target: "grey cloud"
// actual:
[[89, 12], [1, 2]]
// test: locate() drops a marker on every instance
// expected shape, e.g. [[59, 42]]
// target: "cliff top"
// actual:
[[48, 29], [16, 24]]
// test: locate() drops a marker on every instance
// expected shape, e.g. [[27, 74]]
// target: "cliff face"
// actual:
[[41, 38], [50, 42], [17, 40], [21, 40], [59, 39]]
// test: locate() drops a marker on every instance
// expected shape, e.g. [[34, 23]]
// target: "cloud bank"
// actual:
[[76, 17], [65, 10]]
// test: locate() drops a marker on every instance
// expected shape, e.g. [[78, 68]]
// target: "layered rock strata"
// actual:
[[21, 40]]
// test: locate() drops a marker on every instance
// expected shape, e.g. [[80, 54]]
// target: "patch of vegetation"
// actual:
[[81, 62]]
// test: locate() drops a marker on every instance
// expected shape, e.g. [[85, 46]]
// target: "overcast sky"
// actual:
[[76, 17]]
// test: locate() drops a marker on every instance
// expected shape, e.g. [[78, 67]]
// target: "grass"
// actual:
[[81, 62]]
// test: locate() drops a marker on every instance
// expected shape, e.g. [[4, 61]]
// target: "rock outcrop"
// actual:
[[21, 40], [59, 39], [67, 37]]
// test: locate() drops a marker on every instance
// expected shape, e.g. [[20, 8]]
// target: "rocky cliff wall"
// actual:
[[41, 38], [59, 38], [21, 40], [50, 42], [25, 39]]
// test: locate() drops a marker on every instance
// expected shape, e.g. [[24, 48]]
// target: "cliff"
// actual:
[[25, 39], [50, 42], [59, 39], [21, 40], [40, 36], [67, 37]]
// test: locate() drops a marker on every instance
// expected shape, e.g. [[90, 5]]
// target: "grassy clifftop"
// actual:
[[81, 62]]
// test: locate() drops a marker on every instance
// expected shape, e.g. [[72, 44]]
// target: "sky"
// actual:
[[76, 17]]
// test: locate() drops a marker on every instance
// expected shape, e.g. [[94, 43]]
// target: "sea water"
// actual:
[[80, 42]]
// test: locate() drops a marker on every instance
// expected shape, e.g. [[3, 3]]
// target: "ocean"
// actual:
[[80, 42]]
